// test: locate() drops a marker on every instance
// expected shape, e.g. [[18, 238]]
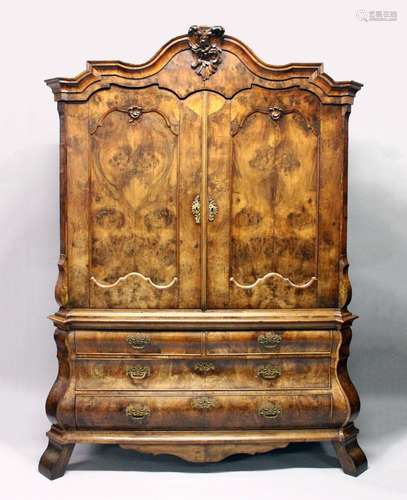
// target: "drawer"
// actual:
[[277, 341], [203, 411], [138, 343], [203, 373], [266, 411]]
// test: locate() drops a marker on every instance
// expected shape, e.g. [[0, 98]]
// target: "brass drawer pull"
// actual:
[[269, 340], [268, 372], [204, 367], [196, 209], [203, 403], [138, 372], [138, 342], [272, 411], [137, 412]]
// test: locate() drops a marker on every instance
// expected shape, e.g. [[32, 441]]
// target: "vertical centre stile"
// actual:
[[204, 201]]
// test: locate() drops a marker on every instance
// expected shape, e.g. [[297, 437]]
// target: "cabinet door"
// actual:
[[263, 173], [142, 179]]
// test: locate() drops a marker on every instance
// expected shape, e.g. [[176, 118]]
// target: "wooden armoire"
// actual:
[[203, 279]]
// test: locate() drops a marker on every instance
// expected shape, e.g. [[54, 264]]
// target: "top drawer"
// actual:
[[204, 343], [263, 342], [138, 343]]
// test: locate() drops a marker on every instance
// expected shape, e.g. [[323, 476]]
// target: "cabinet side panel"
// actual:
[[333, 135], [77, 203]]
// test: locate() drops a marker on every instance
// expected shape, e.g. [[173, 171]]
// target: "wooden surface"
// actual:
[[203, 278], [220, 319]]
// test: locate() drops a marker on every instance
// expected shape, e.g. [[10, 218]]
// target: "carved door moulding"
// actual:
[[134, 113]]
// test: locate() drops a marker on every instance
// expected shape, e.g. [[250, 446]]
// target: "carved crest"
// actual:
[[204, 43], [275, 112], [134, 113]]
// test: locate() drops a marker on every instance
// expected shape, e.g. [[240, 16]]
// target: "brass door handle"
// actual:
[[137, 412], [268, 372], [138, 372], [269, 340], [196, 209], [204, 367], [138, 342], [272, 411]]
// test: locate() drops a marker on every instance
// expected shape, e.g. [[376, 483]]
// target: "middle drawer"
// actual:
[[203, 374]]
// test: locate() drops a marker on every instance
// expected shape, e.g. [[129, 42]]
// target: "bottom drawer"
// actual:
[[203, 411]]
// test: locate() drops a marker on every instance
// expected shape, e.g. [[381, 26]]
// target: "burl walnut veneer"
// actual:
[[203, 280]]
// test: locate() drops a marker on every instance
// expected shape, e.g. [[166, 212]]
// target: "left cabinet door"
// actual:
[[137, 178]]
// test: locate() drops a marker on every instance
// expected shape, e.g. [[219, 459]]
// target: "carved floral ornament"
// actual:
[[275, 112], [204, 43], [134, 113]]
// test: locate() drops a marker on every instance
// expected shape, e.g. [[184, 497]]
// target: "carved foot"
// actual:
[[55, 459], [351, 457]]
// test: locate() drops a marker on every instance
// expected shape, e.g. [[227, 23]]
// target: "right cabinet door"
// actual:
[[263, 172]]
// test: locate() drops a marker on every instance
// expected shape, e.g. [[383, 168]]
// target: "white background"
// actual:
[[44, 39]]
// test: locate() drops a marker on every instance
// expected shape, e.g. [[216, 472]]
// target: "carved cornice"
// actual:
[[103, 74]]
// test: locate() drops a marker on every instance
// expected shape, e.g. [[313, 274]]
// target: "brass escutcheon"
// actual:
[[212, 209], [138, 342], [204, 367], [98, 371], [272, 411], [196, 209], [268, 372], [269, 340], [203, 403], [138, 372], [137, 412]]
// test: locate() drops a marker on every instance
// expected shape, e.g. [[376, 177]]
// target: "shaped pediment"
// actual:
[[205, 58]]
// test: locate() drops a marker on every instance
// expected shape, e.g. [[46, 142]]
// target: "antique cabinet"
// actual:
[[203, 280]]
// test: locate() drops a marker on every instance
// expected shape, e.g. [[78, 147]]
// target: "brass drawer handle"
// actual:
[[272, 411], [204, 367], [268, 372], [138, 372], [196, 209], [203, 403], [137, 412], [269, 340], [138, 342]]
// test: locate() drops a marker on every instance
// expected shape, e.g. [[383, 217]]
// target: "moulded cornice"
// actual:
[[173, 319], [103, 74]]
